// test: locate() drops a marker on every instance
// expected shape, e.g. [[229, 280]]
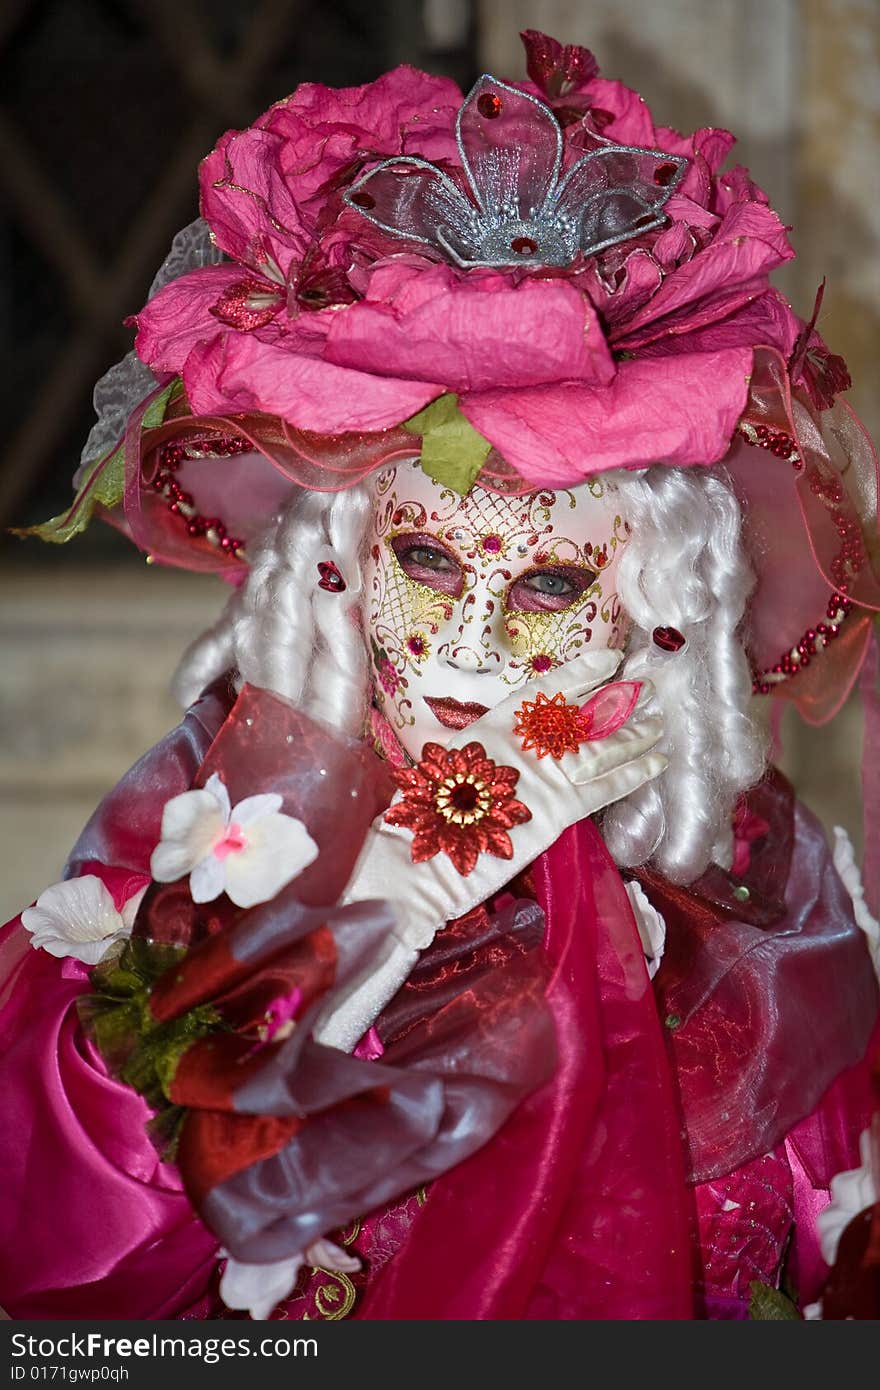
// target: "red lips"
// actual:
[[453, 714]]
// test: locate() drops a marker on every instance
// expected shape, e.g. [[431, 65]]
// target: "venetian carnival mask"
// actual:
[[466, 598]]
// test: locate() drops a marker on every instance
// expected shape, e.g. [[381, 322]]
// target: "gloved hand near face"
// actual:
[[472, 815]]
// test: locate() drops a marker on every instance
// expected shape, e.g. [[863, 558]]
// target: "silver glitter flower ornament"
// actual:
[[518, 206]]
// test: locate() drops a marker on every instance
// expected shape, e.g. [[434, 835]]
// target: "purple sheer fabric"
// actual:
[[125, 827], [767, 1000], [375, 1130]]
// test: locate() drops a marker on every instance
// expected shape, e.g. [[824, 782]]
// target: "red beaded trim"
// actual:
[[775, 441], [180, 503], [811, 644], [851, 556], [847, 562]]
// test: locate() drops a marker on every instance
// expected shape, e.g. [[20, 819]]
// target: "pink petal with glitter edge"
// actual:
[[474, 334], [237, 372], [179, 316], [750, 242], [252, 210], [610, 707], [675, 410]]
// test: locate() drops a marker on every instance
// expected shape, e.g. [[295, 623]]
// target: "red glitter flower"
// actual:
[[550, 726], [459, 802]]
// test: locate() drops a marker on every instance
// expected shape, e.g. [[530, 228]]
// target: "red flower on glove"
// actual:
[[550, 726], [554, 727], [458, 802]]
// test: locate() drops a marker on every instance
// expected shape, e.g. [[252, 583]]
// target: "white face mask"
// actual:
[[467, 598]]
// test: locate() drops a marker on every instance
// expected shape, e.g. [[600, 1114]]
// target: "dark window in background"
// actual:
[[105, 108]]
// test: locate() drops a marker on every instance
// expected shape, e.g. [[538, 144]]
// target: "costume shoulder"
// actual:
[[767, 988]]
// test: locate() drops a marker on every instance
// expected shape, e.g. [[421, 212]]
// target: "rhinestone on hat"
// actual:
[[515, 204]]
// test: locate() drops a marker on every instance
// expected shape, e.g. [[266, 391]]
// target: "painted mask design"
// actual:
[[467, 598]]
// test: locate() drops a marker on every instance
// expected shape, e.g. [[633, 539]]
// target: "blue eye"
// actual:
[[431, 565], [426, 558], [549, 590], [553, 584]]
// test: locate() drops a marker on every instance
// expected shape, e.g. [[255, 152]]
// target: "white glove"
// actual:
[[557, 791]]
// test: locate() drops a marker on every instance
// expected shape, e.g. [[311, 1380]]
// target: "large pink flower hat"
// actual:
[[526, 286]]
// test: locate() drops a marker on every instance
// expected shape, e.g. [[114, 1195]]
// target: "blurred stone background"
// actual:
[[106, 107]]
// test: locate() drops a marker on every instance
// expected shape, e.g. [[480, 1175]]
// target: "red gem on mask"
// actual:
[[330, 577], [524, 246], [664, 174], [542, 662], [489, 105], [363, 200], [668, 639]]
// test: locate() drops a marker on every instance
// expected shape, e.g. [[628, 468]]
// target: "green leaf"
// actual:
[[104, 483], [117, 1016], [767, 1304], [453, 452]]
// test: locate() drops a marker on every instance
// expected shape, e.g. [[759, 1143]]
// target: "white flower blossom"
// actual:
[[851, 1192], [78, 918], [250, 851], [845, 864], [651, 926], [258, 1289]]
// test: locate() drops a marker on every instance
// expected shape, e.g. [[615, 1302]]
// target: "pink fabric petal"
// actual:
[[475, 334], [314, 161], [766, 319], [678, 410], [682, 208], [403, 111], [635, 282], [179, 316], [610, 707], [707, 149], [632, 124], [734, 186], [750, 242], [251, 207], [238, 372]]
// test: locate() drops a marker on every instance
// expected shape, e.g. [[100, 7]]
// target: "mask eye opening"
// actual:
[[521, 596], [426, 560]]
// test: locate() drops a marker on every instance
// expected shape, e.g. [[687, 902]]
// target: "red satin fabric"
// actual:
[[577, 1208]]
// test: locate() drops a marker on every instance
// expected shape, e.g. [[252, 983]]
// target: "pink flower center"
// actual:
[[232, 841]]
